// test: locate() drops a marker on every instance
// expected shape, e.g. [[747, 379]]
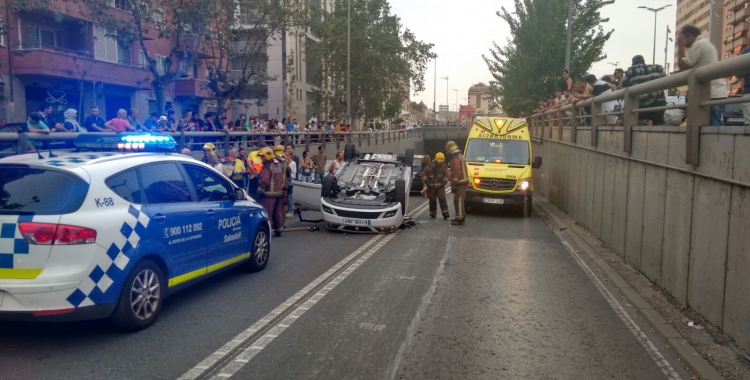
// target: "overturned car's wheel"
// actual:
[[409, 157], [350, 151], [400, 195], [327, 188]]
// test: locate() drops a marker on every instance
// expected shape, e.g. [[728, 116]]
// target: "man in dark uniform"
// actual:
[[270, 189], [280, 153], [435, 176], [459, 182]]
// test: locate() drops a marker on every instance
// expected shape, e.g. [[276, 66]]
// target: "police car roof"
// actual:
[[76, 160]]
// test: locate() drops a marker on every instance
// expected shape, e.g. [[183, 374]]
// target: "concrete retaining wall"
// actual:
[[689, 234]]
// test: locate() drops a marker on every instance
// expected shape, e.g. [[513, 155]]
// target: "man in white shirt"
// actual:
[[314, 121], [701, 53]]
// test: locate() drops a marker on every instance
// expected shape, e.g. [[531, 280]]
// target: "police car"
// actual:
[[102, 234]]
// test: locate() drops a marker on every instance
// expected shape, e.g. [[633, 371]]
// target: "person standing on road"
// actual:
[[280, 154], [289, 157], [270, 189], [319, 163], [701, 53], [307, 168], [336, 164], [435, 177], [459, 182]]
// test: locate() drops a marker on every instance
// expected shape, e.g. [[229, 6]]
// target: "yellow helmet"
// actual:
[[209, 146], [439, 157], [451, 147], [279, 151], [266, 153]]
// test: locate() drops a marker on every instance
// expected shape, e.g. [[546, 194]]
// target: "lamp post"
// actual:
[[348, 62], [666, 46], [434, 89], [569, 36], [656, 11], [615, 64], [456, 98], [446, 92]]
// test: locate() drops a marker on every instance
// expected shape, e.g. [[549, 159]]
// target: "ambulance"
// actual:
[[498, 159]]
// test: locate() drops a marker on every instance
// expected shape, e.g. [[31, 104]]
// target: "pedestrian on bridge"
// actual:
[[435, 177], [459, 182]]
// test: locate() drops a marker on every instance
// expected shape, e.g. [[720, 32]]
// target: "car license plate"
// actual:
[[493, 201], [357, 222], [735, 120]]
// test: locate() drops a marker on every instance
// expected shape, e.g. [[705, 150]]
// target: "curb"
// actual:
[[682, 349]]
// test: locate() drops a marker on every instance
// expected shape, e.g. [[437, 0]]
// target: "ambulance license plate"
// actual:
[[493, 201], [357, 222]]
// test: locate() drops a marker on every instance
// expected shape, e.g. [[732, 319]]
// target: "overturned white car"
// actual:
[[369, 193]]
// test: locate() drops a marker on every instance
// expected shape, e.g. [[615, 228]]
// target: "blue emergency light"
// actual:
[[137, 142]]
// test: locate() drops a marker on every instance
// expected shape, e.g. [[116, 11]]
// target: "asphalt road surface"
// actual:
[[498, 298]]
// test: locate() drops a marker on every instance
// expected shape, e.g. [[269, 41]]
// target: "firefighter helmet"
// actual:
[[439, 157], [209, 146], [266, 153], [451, 147], [279, 151]]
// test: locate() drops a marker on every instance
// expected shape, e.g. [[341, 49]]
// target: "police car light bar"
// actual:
[[140, 142]]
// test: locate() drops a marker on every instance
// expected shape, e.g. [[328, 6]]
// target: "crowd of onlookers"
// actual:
[[700, 53], [189, 121]]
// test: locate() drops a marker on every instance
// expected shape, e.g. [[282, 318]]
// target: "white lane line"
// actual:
[[235, 342], [247, 355], [647, 344]]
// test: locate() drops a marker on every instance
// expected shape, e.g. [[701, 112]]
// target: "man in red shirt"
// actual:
[[120, 123]]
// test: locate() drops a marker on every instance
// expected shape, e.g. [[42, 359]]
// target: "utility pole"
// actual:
[[656, 11], [348, 62], [446, 94], [456, 98], [434, 90], [666, 46], [570, 35]]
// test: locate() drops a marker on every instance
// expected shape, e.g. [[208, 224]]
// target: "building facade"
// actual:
[[736, 37], [704, 15], [68, 62]]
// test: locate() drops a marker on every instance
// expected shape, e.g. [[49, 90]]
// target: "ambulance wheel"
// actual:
[[350, 150], [409, 157], [401, 194], [141, 297], [326, 190], [261, 250], [527, 207]]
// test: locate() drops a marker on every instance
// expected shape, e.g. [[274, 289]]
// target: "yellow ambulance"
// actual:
[[498, 160]]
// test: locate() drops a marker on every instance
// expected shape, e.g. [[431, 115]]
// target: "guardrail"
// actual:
[[18, 143], [698, 108]]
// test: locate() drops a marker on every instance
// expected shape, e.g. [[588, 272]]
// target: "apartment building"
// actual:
[[737, 23], [699, 14], [66, 61]]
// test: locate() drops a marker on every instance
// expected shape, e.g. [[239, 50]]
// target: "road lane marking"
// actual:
[[642, 338], [245, 355]]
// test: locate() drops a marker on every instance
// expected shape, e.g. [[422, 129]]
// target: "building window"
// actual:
[[122, 5], [2, 35], [37, 36], [158, 16]]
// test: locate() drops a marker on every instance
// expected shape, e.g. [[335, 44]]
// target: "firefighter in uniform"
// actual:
[[459, 181], [270, 189], [280, 153], [435, 176]]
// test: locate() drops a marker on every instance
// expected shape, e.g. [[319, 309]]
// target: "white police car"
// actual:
[[100, 234]]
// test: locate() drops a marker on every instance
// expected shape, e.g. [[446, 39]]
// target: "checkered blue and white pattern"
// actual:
[[111, 262], [12, 243], [74, 159]]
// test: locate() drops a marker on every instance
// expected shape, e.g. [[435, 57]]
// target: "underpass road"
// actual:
[[498, 298]]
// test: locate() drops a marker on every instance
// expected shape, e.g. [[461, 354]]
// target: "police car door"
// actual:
[[178, 223], [229, 243]]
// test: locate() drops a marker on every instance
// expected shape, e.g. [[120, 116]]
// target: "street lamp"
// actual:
[[657, 10], [666, 46], [615, 64], [446, 92], [348, 62], [570, 35], [456, 98]]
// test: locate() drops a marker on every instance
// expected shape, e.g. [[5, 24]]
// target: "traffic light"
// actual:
[[463, 122]]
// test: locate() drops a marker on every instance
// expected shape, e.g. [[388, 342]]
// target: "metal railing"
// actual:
[[698, 80], [18, 143]]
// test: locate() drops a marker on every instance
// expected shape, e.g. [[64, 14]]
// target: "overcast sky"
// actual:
[[464, 30]]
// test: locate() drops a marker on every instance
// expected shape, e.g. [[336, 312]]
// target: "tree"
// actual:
[[528, 68], [238, 48], [385, 58], [182, 24]]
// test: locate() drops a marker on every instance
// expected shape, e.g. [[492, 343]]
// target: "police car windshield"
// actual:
[[39, 191], [498, 151]]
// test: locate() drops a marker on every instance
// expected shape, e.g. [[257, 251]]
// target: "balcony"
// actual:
[[192, 88], [64, 63], [740, 15], [733, 5], [248, 47]]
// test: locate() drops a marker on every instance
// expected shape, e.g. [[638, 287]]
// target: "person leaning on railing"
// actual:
[[640, 73]]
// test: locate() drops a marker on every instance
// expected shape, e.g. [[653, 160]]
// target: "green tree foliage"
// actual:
[[529, 67], [385, 57]]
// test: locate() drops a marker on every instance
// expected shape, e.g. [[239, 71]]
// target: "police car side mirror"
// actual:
[[239, 194], [537, 162]]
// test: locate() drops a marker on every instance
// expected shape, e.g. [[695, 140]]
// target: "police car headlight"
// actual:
[[524, 185]]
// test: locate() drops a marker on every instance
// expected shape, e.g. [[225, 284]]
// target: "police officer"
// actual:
[[435, 176], [459, 181], [270, 189]]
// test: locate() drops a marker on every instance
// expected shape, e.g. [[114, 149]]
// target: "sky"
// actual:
[[463, 31]]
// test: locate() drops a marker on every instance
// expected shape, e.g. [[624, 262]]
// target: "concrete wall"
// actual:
[[689, 234]]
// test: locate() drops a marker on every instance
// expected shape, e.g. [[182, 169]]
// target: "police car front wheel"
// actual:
[[141, 297], [261, 246]]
